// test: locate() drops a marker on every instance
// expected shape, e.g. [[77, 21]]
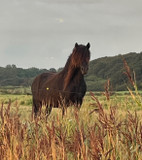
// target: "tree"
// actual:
[[52, 70]]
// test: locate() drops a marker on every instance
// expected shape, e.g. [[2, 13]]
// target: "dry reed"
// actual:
[[107, 137]]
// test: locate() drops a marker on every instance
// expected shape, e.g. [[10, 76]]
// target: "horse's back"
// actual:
[[38, 82]]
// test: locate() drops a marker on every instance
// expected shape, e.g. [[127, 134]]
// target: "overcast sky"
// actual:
[[42, 33]]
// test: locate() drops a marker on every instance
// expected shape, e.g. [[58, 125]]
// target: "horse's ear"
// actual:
[[76, 45], [88, 45]]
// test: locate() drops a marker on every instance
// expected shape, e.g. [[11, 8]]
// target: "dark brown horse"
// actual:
[[64, 88]]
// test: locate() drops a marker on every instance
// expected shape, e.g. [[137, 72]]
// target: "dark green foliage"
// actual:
[[112, 68], [10, 75]]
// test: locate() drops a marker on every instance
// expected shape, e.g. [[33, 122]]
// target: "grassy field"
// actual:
[[108, 127]]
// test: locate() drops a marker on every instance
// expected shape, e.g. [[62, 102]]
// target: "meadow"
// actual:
[[107, 127]]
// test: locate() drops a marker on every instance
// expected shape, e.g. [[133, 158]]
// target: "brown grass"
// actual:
[[102, 135]]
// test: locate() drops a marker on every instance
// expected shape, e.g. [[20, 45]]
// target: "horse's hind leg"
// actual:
[[36, 110], [48, 110]]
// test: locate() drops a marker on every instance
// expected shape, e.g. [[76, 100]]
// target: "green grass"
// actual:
[[122, 100], [16, 90]]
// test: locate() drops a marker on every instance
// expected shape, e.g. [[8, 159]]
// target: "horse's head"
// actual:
[[80, 57]]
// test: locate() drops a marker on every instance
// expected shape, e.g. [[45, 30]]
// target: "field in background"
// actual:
[[21, 97], [108, 126]]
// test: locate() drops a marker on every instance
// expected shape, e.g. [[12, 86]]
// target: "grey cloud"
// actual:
[[45, 28]]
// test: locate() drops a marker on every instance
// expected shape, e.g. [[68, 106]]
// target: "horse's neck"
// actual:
[[71, 74], [76, 75]]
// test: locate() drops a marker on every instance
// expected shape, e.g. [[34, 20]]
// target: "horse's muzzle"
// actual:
[[84, 69]]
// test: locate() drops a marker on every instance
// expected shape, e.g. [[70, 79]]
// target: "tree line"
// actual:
[[100, 70], [112, 68]]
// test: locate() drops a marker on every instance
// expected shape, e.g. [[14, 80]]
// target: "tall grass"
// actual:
[[102, 134], [132, 79]]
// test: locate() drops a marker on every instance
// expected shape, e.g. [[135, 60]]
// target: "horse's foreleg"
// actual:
[[78, 105]]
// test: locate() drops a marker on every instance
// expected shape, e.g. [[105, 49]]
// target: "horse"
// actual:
[[66, 88]]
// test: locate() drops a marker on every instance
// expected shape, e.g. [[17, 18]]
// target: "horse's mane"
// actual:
[[67, 72], [73, 63]]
